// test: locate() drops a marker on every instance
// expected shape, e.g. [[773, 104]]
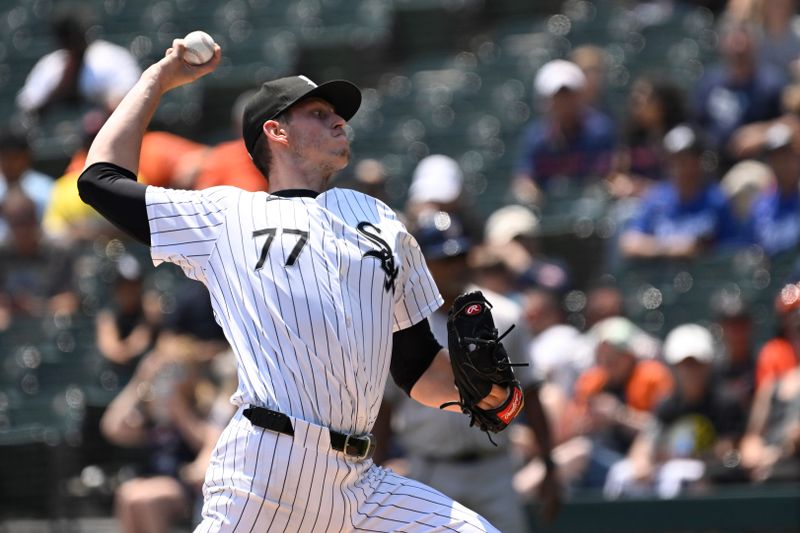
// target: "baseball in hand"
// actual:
[[199, 48]]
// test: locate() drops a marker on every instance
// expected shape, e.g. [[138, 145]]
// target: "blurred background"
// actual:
[[622, 177]]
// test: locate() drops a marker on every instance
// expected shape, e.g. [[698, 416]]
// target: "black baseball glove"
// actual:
[[479, 361]]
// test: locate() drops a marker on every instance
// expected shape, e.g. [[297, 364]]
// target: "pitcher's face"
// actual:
[[317, 135]]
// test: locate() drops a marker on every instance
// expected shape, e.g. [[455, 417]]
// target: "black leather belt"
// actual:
[[358, 447]]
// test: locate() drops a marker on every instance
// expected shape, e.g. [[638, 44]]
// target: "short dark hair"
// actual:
[[262, 155], [69, 24]]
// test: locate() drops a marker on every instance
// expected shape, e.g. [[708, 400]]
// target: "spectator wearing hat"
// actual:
[[774, 221], [512, 235], [782, 353], [695, 429], [438, 185], [572, 142], [16, 172], [685, 216], [439, 449], [612, 401]]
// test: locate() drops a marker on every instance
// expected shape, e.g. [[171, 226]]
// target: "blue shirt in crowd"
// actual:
[[706, 217], [545, 153], [721, 106], [774, 222]]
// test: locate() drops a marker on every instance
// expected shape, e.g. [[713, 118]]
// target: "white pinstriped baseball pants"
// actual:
[[262, 481]]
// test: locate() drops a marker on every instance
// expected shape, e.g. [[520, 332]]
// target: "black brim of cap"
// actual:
[[341, 94]]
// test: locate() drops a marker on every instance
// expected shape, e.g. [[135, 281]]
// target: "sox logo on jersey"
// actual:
[[383, 254]]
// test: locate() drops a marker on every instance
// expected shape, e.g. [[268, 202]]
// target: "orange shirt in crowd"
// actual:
[[161, 155], [229, 164], [650, 382], [77, 162], [775, 359]]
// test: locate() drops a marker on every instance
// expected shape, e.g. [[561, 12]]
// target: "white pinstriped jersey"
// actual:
[[307, 290]]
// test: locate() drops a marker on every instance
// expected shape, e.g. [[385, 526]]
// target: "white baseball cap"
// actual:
[[437, 178], [509, 222], [559, 74], [689, 340]]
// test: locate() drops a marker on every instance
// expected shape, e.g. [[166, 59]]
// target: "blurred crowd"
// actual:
[[686, 174]]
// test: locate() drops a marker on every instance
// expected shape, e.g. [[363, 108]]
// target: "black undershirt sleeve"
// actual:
[[413, 349], [114, 193]]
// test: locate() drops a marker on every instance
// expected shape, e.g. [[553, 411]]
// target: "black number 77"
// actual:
[[270, 233]]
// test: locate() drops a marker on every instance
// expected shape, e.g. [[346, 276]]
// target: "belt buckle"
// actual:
[[352, 450]]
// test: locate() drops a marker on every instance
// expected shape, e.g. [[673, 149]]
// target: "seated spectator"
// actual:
[[685, 216], [512, 234], [67, 217], [16, 171], [573, 142], [696, 428], [166, 408], [774, 222], [82, 69], [229, 163], [552, 352], [610, 405], [750, 140], [737, 360], [782, 353], [170, 407], [612, 401], [124, 329], [438, 185], [655, 106], [166, 157], [739, 91], [36, 275], [770, 449]]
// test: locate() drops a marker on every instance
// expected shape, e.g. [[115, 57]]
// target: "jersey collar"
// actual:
[[296, 193]]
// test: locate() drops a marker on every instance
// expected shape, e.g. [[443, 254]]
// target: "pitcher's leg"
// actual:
[[400, 504]]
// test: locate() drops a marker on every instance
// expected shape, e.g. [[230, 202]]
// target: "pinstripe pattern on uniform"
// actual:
[[308, 292], [358, 497]]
